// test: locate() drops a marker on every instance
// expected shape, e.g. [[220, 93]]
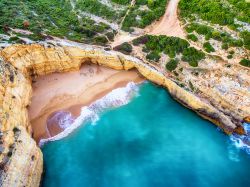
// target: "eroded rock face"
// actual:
[[247, 119], [21, 159]]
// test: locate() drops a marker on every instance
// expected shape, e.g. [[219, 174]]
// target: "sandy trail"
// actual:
[[168, 25], [122, 36]]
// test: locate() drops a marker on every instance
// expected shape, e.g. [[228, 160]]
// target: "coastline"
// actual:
[[22, 62], [83, 87]]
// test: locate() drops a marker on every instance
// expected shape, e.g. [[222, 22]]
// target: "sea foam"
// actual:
[[242, 141], [116, 98]]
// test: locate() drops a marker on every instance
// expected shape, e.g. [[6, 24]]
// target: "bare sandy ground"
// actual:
[[168, 25], [70, 91]]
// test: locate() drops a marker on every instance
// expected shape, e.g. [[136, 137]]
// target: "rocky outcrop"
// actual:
[[21, 159], [247, 119]]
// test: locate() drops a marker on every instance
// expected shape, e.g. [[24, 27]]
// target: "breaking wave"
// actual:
[[63, 118], [116, 98], [242, 141]]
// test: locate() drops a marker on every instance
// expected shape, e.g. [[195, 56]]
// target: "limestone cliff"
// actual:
[[21, 159]]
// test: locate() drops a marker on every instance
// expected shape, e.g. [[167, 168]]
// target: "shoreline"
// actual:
[[59, 95], [114, 99]]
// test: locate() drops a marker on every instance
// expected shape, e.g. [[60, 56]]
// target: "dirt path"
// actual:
[[122, 36], [169, 24]]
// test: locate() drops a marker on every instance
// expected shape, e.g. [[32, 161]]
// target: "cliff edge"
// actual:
[[21, 159]]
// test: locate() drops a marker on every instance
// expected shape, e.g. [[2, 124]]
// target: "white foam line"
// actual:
[[114, 99], [242, 141]]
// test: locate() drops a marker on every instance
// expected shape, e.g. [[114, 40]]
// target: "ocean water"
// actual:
[[152, 141]]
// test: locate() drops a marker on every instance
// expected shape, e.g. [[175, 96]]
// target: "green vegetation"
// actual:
[[245, 62], [100, 40], [225, 38], [153, 56], [246, 38], [53, 17], [125, 48], [140, 16], [172, 46], [121, 2], [192, 56], [97, 8], [217, 11], [192, 37], [172, 64], [224, 46], [141, 40], [208, 47], [222, 12], [191, 85]]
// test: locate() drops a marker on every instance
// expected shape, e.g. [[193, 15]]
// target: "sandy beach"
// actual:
[[69, 92]]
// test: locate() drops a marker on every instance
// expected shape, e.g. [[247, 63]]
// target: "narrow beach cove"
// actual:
[[68, 92], [152, 141]]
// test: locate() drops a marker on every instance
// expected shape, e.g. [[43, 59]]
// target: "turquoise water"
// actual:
[[151, 142]]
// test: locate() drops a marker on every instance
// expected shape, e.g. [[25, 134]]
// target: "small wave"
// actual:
[[116, 98], [242, 141], [63, 118]]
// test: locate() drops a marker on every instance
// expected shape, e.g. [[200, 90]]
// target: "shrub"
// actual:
[[216, 35], [9, 154], [192, 56], [110, 35], [246, 38], [245, 62], [100, 40], [208, 47], [125, 48], [153, 56], [145, 49], [122, 2], [140, 40], [15, 130], [191, 85], [193, 63], [192, 37], [224, 46], [172, 64], [236, 43]]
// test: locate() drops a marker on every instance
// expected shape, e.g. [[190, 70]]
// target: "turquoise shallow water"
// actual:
[[151, 142]]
